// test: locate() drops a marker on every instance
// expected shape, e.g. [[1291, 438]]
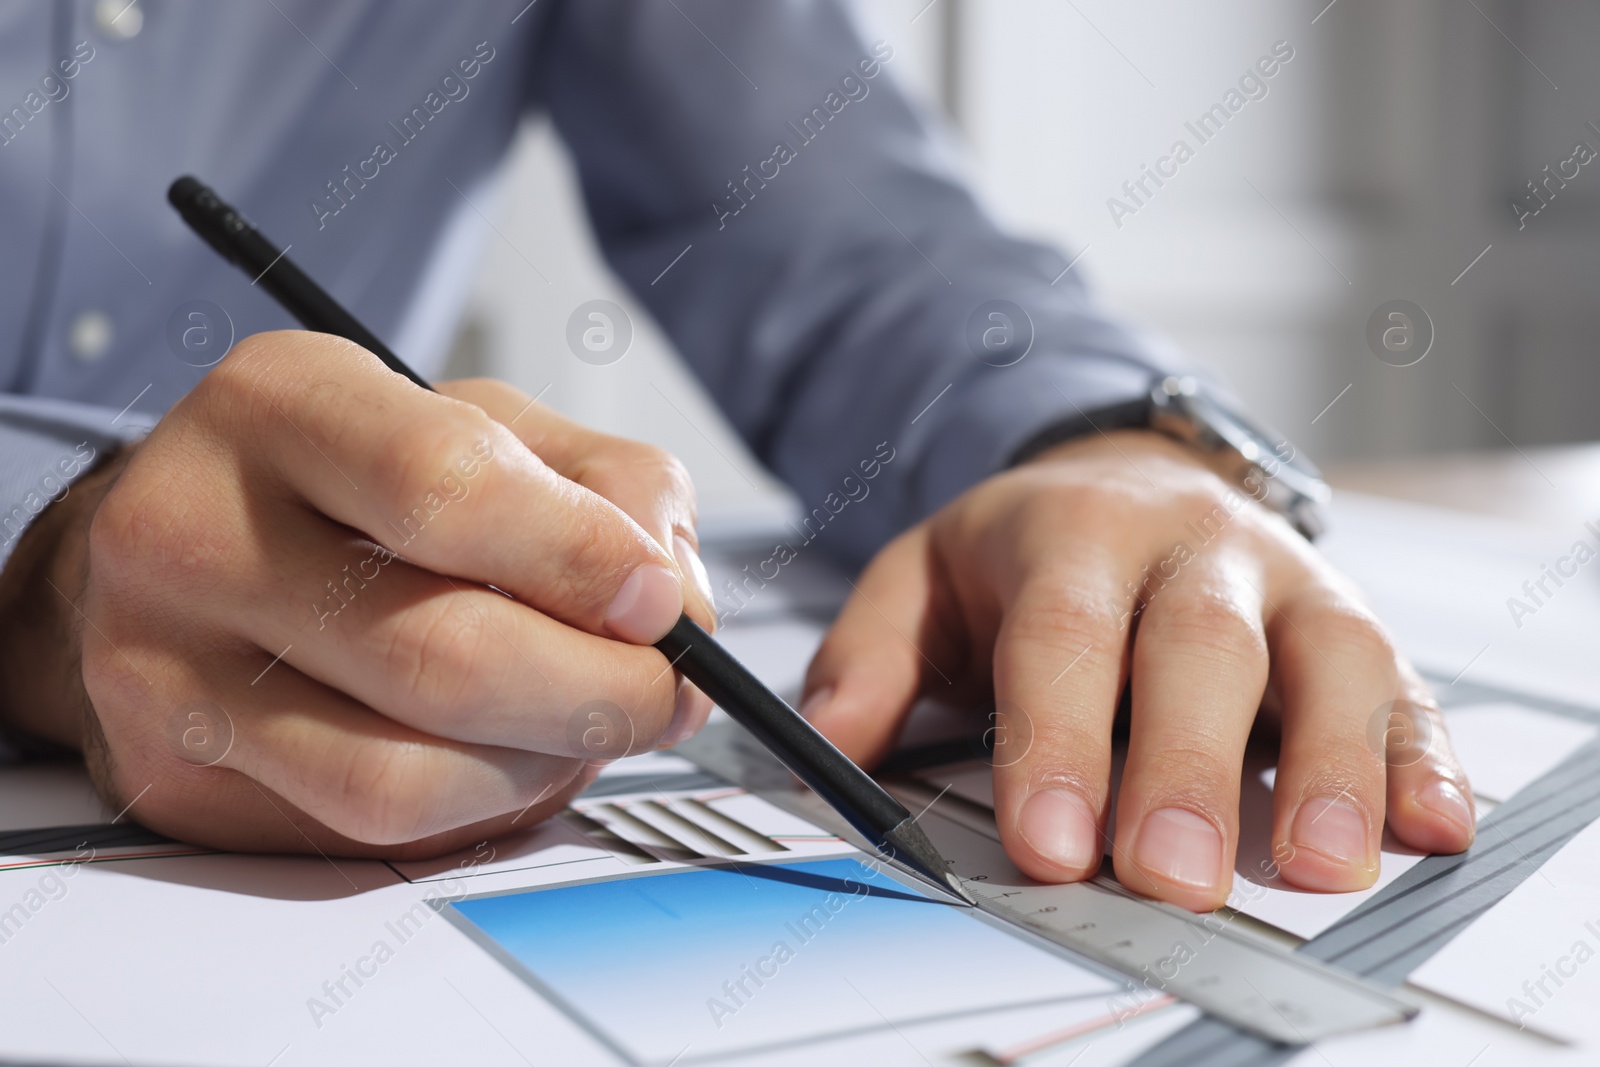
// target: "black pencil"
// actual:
[[848, 789]]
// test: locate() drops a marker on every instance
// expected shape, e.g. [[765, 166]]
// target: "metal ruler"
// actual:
[[1392, 934], [1262, 989]]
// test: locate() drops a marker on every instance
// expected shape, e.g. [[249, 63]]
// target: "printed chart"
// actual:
[[706, 961]]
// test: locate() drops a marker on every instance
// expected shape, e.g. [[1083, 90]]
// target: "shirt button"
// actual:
[[89, 335], [119, 20]]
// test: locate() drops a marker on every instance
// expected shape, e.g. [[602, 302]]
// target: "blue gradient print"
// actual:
[[737, 957]]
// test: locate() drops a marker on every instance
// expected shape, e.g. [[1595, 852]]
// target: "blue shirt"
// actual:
[[838, 298]]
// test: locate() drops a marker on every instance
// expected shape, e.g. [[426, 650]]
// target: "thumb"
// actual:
[[871, 668]]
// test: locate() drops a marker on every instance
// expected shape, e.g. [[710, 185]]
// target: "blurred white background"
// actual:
[[1381, 164]]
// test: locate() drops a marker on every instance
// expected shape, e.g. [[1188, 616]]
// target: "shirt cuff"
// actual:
[[45, 446], [1008, 413]]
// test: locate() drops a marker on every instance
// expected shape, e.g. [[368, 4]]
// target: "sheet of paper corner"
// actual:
[[1502, 746], [1441, 581]]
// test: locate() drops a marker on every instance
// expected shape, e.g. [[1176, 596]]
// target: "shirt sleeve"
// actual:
[[46, 445], [803, 235]]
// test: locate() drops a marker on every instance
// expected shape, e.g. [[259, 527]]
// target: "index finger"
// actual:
[[646, 482], [1059, 663], [441, 483]]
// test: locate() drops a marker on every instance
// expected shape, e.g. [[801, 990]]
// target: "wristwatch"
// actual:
[[1270, 469], [1263, 463]]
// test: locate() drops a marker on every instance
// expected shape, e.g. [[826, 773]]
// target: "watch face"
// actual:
[[1268, 443], [1277, 457], [1282, 477]]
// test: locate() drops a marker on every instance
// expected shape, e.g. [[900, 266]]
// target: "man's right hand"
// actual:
[[319, 607]]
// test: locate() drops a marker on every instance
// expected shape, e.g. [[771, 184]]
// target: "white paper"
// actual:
[[1534, 958], [1442, 581], [224, 959], [1505, 747]]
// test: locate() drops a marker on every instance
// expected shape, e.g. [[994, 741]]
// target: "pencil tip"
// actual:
[[960, 889], [908, 844]]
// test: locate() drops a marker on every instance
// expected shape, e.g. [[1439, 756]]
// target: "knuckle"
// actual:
[[1095, 492], [488, 388], [245, 374], [1065, 750], [1201, 770], [437, 654], [120, 524], [1207, 506], [647, 457], [598, 552], [1093, 503], [635, 463], [236, 370], [671, 472], [380, 797], [1351, 771], [427, 464], [1213, 623], [1348, 627], [1066, 615], [136, 533], [634, 455], [283, 369]]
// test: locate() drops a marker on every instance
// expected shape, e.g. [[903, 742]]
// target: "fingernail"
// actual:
[[1180, 846], [815, 701], [647, 605], [689, 562], [1443, 799], [1057, 824], [1334, 827], [690, 710]]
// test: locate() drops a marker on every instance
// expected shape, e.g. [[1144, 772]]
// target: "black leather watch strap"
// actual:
[[1130, 414]]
